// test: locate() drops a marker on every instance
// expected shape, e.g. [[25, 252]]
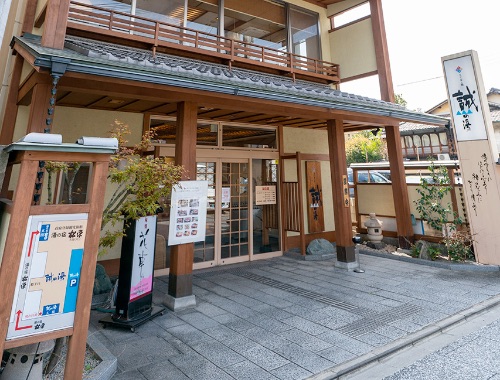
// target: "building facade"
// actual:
[[243, 94]]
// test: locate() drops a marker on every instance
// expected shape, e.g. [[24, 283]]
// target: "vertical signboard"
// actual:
[[315, 214], [476, 151], [188, 212], [143, 260], [49, 275]]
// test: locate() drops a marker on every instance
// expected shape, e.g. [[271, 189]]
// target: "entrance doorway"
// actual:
[[238, 226]]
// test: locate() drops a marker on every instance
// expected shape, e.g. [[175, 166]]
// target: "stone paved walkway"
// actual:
[[290, 319]]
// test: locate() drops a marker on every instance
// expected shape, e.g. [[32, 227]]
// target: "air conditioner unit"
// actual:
[[443, 157]]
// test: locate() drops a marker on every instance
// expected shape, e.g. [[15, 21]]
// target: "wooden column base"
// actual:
[[180, 285], [405, 242], [346, 254]]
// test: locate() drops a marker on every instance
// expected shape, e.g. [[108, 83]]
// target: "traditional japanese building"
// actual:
[[243, 94]]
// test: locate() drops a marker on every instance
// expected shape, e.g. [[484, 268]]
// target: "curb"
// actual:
[[108, 365], [436, 264], [383, 352]]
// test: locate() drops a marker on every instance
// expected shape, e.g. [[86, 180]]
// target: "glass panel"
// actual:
[[426, 141], [234, 223], [443, 138], [305, 33], [248, 137], [124, 6], [166, 130], [266, 236], [205, 250], [202, 16], [434, 139], [267, 28], [74, 182], [169, 12], [350, 15]]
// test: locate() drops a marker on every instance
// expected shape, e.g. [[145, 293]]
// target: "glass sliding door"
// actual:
[[265, 213], [304, 33], [204, 251], [234, 213]]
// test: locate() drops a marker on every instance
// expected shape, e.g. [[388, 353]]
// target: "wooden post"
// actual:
[[381, 51], [399, 188], [54, 31], [342, 212], [301, 205], [77, 342], [40, 102], [180, 279], [11, 108], [20, 210]]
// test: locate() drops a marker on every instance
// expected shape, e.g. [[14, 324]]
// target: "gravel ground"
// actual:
[[91, 361]]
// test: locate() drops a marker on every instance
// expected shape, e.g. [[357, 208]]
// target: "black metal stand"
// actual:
[[131, 324]]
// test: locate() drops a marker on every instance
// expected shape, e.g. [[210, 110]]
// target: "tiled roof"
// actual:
[[112, 60]]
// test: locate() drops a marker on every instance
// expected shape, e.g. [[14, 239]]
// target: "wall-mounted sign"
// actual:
[[188, 212], [49, 275], [315, 212], [464, 98], [265, 195], [345, 190]]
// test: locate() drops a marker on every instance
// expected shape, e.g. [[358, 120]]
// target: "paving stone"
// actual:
[[337, 354], [217, 353], [307, 341], [305, 325], [199, 320], [161, 371], [291, 372], [304, 358], [129, 375], [188, 334], [247, 370]]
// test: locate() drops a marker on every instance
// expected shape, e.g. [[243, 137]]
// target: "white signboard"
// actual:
[[464, 98], [188, 212], [143, 261], [49, 275], [265, 195], [226, 194]]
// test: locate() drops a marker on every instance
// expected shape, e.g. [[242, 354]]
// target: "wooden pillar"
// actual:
[[342, 213], [180, 279], [10, 116], [381, 51], [399, 188], [54, 30], [40, 103], [77, 343]]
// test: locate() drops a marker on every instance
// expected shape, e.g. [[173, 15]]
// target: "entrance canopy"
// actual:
[[101, 75]]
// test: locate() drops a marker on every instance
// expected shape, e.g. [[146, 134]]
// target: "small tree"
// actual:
[[440, 216], [142, 184]]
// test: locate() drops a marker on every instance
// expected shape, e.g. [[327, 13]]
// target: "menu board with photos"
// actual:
[[188, 212]]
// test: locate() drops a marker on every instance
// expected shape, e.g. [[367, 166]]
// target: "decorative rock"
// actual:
[[374, 228], [320, 247], [375, 245], [102, 283], [423, 249]]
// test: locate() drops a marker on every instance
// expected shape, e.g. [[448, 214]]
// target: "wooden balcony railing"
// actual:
[[175, 38]]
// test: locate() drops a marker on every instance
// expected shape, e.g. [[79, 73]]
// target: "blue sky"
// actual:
[[420, 32]]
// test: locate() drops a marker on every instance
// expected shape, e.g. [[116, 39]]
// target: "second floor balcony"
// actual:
[[166, 35]]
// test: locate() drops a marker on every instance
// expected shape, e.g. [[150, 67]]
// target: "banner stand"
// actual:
[[134, 298]]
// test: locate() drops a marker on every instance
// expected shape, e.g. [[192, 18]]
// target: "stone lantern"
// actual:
[[374, 227]]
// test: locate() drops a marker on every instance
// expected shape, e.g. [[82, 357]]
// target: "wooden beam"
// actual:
[[341, 211], [154, 92], [381, 51], [399, 187]]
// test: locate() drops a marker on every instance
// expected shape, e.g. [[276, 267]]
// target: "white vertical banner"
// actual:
[[188, 212], [141, 282], [476, 148]]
